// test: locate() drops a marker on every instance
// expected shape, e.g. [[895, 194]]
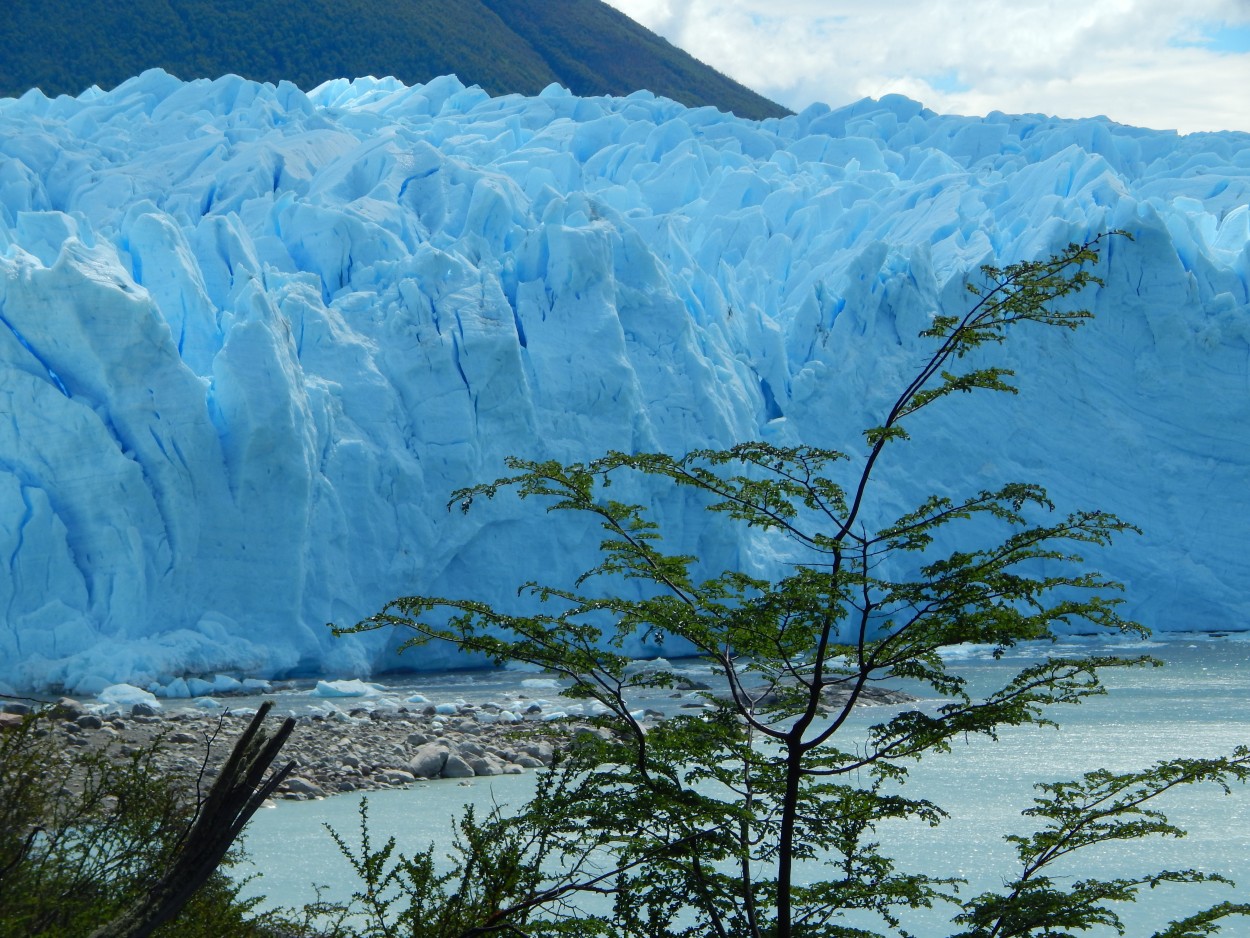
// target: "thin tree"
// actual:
[[709, 817]]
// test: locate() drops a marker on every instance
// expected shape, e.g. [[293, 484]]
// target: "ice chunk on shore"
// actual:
[[127, 695]]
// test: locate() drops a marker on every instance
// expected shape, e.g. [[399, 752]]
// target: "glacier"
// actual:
[[251, 338]]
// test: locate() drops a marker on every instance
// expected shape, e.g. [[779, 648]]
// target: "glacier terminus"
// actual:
[[251, 338]]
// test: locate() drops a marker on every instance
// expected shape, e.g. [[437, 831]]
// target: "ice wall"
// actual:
[[250, 339]]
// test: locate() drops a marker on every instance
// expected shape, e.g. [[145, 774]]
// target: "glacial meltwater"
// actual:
[[1198, 704]]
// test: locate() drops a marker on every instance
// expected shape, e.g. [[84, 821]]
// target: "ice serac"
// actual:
[[251, 339]]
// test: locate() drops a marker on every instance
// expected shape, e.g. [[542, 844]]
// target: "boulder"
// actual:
[[541, 750], [10, 721], [67, 708], [302, 786], [484, 765], [457, 767], [428, 761]]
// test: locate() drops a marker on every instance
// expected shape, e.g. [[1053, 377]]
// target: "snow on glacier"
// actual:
[[252, 338]]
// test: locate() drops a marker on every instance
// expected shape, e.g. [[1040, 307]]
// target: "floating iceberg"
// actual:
[[352, 688], [251, 339]]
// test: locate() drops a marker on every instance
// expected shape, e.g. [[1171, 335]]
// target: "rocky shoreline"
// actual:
[[358, 750], [362, 750]]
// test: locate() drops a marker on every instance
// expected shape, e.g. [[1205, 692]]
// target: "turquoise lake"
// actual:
[[1198, 704]]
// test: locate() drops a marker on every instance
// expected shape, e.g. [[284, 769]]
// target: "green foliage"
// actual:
[[500, 874], [1102, 807], [507, 48], [85, 833], [406, 896], [705, 817]]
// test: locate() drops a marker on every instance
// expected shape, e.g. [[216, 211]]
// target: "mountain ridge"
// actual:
[[504, 46]]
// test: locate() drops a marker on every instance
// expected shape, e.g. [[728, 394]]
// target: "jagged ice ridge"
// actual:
[[250, 340]]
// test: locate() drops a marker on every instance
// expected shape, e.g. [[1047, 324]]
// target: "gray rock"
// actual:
[[302, 786], [89, 721], [540, 750], [143, 710], [457, 767], [428, 761], [67, 708], [482, 765]]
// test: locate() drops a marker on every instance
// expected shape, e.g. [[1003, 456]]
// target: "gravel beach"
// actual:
[[348, 748], [361, 750]]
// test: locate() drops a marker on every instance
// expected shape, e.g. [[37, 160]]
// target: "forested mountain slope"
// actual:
[[506, 46]]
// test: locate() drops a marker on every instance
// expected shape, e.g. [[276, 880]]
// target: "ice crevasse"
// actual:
[[252, 338]]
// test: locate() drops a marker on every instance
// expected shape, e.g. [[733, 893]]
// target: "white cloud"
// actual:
[[1154, 63]]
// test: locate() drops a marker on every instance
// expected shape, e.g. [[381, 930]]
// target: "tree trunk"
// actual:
[[236, 794]]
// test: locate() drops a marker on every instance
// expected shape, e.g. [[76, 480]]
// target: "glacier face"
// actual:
[[250, 339]]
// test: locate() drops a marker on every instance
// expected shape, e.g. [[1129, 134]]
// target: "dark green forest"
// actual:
[[505, 46]]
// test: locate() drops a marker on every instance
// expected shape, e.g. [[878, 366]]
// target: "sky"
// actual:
[[1167, 64]]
